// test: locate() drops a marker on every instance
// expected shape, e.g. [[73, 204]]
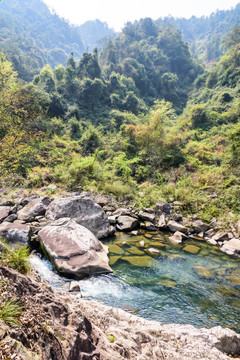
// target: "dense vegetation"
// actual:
[[31, 36], [205, 34], [116, 122]]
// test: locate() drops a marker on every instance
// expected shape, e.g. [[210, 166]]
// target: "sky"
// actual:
[[117, 13]]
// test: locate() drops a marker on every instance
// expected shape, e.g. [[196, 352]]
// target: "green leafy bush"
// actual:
[[15, 258], [10, 312]]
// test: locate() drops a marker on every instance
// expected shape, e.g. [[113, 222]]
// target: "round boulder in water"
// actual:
[[73, 249]]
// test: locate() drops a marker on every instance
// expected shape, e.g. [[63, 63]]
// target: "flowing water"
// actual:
[[192, 283]]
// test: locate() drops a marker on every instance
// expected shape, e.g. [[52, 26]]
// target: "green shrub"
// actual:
[[10, 311], [198, 116], [149, 194], [119, 189], [38, 176], [15, 258]]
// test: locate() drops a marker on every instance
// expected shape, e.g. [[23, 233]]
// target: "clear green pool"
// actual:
[[200, 287]]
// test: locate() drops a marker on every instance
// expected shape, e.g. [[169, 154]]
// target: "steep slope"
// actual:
[[32, 36]]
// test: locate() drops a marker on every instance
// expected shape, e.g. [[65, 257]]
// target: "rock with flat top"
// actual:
[[103, 200], [15, 232], [192, 249], [73, 249], [146, 216], [85, 212]]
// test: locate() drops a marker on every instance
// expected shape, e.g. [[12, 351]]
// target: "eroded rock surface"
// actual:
[[62, 326], [84, 211], [140, 339], [51, 327], [73, 249]]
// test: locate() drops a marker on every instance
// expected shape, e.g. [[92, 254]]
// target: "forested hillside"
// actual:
[[141, 120], [95, 126], [156, 58], [95, 33], [31, 36], [205, 34]]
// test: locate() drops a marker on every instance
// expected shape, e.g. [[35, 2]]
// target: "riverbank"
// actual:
[[57, 325], [26, 214]]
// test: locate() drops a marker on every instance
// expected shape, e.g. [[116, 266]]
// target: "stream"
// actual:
[[193, 283]]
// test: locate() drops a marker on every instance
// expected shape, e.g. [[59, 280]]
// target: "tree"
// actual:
[[198, 116], [20, 110], [46, 79], [232, 38], [88, 66], [7, 74], [151, 136]]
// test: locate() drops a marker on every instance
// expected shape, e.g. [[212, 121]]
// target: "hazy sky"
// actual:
[[117, 12]]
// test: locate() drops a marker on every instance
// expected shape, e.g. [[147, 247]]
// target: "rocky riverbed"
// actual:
[[57, 325], [25, 219]]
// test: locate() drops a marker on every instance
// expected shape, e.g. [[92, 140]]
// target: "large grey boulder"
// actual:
[[127, 223], [35, 207], [73, 249], [84, 211], [15, 232]]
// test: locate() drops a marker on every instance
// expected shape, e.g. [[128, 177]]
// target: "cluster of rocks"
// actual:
[[166, 217], [69, 228]]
